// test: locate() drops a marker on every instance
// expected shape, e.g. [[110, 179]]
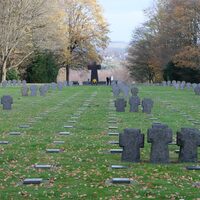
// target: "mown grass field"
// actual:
[[81, 170]]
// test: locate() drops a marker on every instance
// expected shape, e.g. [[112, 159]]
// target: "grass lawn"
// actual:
[[80, 171]]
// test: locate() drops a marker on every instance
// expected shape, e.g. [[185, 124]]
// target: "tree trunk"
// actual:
[[67, 73], [3, 71]]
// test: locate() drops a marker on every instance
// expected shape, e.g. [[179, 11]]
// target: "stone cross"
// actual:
[[134, 102], [188, 140], [43, 89], [24, 90], [120, 105], [4, 83], [60, 86], [159, 136], [94, 71], [7, 101], [147, 105], [131, 141], [197, 90], [33, 89], [134, 91], [116, 90]]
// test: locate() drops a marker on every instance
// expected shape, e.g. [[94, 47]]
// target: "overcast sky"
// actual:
[[124, 16]]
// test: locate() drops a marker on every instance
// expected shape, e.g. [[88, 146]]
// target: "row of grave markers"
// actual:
[[160, 136]]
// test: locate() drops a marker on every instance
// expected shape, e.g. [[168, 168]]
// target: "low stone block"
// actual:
[[32, 181]]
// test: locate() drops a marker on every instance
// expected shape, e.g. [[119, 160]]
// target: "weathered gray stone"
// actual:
[[33, 89], [4, 83], [147, 105], [121, 181], [32, 181], [119, 167], [134, 91], [7, 102], [24, 90], [120, 105], [131, 141], [197, 90], [134, 102], [188, 139], [193, 167], [4, 142], [159, 136], [42, 166]]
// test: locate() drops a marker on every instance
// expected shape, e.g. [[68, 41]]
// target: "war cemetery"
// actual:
[[77, 122]]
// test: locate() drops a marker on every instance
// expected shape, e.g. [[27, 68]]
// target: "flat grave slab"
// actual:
[[72, 121], [53, 150], [113, 142], [59, 142], [112, 122], [4, 142], [119, 167], [115, 151], [24, 126], [15, 133], [113, 134], [121, 181], [68, 126], [193, 167], [38, 117], [42, 166], [32, 181], [113, 127], [64, 133]]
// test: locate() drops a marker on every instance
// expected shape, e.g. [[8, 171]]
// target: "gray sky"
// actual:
[[124, 16]]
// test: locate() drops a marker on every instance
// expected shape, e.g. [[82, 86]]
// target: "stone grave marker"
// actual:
[[131, 141], [118, 167], [116, 90], [33, 89], [7, 102], [197, 90], [159, 136], [4, 83], [64, 133], [113, 134], [113, 142], [28, 181], [42, 90], [4, 142], [58, 142], [24, 82], [121, 181], [53, 86], [53, 150], [193, 167], [36, 166], [24, 90], [134, 102], [60, 86], [134, 91], [24, 126], [14, 82], [14, 133], [120, 105], [189, 140], [147, 105]]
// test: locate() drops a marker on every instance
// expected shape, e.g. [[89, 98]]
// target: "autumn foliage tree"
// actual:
[[86, 33], [74, 30], [173, 27]]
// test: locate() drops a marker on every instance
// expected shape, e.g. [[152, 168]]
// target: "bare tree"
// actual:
[[18, 20]]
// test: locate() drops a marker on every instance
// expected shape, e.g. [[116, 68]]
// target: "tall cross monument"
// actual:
[[94, 71]]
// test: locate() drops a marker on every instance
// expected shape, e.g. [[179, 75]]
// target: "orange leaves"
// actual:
[[188, 56]]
